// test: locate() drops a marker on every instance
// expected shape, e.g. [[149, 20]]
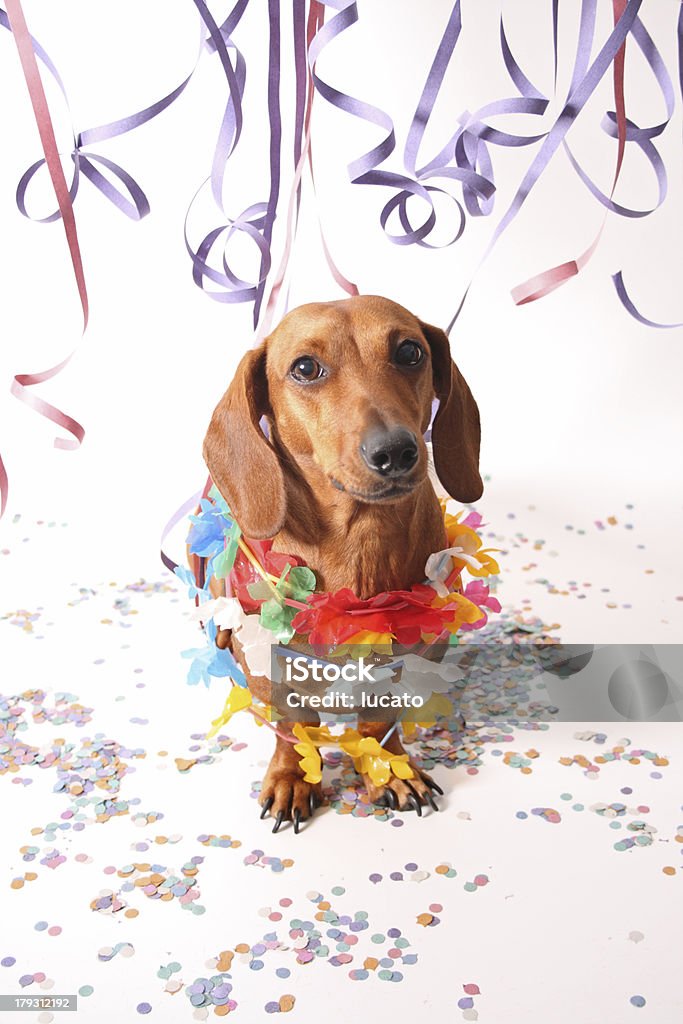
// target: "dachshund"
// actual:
[[341, 479]]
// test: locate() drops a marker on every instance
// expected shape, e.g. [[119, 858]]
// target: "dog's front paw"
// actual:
[[405, 794], [286, 796]]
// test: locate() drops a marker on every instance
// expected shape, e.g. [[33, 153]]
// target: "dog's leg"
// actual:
[[284, 793], [399, 794]]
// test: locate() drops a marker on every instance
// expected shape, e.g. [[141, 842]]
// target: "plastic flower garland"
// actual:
[[273, 599]]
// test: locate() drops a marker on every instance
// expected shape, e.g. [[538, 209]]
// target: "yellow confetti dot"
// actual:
[[287, 1003], [425, 919], [668, 870], [225, 960]]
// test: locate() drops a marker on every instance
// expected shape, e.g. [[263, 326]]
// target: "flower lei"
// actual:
[[281, 592]]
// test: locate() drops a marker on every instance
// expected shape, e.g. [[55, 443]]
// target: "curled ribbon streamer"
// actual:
[[23, 381], [139, 207], [275, 120], [257, 220], [628, 305], [304, 148], [465, 158], [364, 169], [617, 279], [583, 85], [617, 125], [546, 282]]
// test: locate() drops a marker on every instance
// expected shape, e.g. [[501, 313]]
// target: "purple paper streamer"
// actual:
[[628, 305], [464, 158], [139, 207], [580, 91], [275, 120], [640, 136]]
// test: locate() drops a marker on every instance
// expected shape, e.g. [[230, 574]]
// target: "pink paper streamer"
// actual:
[[23, 381]]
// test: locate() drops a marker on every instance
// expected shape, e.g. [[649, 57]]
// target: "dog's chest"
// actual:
[[378, 550]]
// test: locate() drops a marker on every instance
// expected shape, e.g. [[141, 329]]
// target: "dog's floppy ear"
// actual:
[[243, 464], [455, 431]]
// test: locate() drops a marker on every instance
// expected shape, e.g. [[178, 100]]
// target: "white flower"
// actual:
[[226, 612], [439, 566], [256, 642]]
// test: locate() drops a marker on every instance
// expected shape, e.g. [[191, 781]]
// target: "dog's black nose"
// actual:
[[389, 452]]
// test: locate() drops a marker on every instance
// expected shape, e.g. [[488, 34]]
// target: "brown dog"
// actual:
[[346, 388]]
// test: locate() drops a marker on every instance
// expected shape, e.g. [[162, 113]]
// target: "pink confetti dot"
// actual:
[[435, 908], [481, 880], [39, 976], [54, 930], [285, 903], [275, 916], [471, 989], [109, 870]]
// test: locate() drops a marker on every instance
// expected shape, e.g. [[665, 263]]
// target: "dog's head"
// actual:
[[347, 389]]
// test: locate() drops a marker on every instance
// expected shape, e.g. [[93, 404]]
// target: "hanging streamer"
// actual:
[[618, 126], [23, 381], [627, 303]]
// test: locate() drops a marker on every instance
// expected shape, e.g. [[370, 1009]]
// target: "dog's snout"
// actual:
[[389, 452]]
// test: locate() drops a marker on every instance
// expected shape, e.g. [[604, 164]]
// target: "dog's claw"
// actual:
[[414, 800], [312, 804], [393, 799], [278, 820], [432, 785], [296, 818], [431, 801], [415, 804], [266, 807]]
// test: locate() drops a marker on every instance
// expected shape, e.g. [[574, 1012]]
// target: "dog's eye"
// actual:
[[409, 353], [306, 369]]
